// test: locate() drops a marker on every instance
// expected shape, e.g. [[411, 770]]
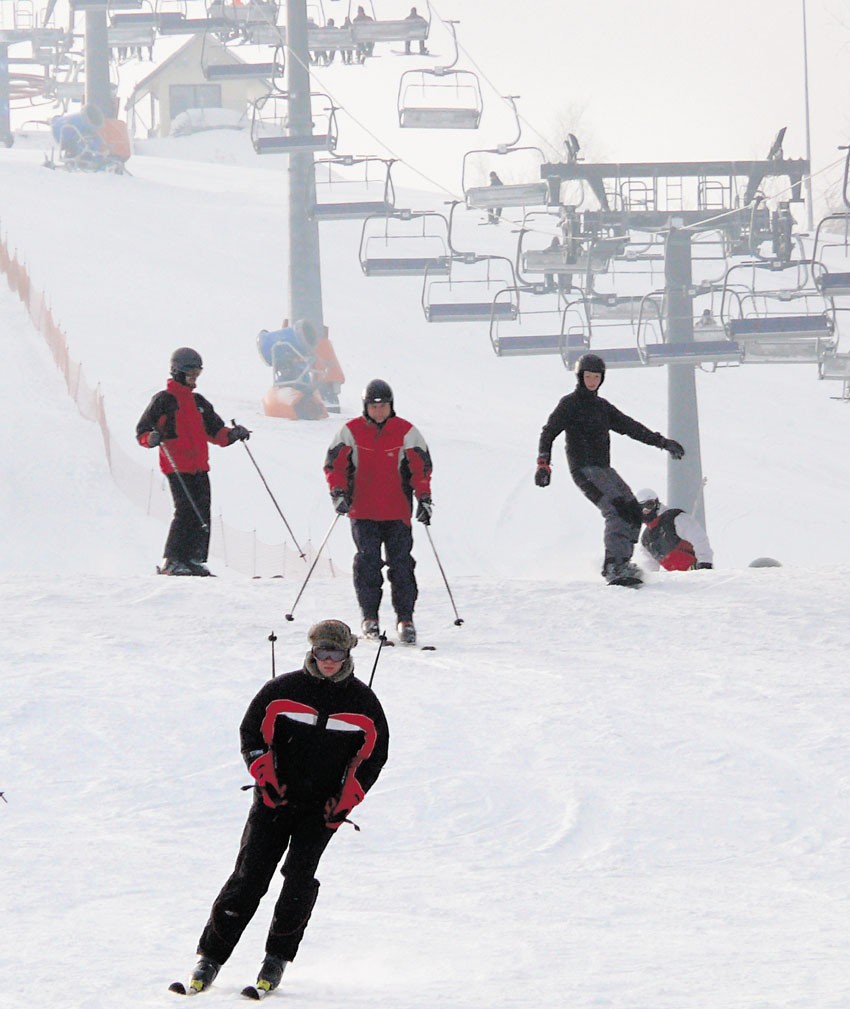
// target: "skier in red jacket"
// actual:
[[181, 423], [672, 539], [374, 466]]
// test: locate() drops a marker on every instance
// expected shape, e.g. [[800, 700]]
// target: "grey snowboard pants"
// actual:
[[613, 497]]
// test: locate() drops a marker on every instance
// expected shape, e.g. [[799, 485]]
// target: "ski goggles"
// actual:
[[330, 654]]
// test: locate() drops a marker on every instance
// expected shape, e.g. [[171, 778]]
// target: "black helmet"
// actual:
[[589, 362], [182, 360], [377, 391]]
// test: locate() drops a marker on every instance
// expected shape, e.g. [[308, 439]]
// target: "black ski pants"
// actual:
[[187, 539], [396, 537], [267, 835]]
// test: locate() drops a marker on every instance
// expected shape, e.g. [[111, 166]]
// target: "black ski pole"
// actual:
[[182, 483], [458, 619], [382, 639], [301, 553], [289, 616], [273, 638]]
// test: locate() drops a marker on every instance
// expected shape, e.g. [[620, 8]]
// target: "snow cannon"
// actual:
[[266, 339], [305, 371]]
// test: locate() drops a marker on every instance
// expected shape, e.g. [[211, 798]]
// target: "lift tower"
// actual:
[[305, 271], [721, 203]]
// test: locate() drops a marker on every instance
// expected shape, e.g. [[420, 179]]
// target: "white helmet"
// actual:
[[649, 503]]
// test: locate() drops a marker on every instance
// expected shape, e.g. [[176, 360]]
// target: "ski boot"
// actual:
[[205, 972], [271, 972], [406, 632], [371, 629], [622, 573], [199, 569]]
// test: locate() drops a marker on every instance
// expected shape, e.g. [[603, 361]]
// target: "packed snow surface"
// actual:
[[595, 797]]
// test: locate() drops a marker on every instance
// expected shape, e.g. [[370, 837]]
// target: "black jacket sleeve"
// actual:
[[163, 405], [557, 422], [623, 424]]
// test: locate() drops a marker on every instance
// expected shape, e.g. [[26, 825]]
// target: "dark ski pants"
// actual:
[[267, 835], [396, 537], [187, 540], [614, 498]]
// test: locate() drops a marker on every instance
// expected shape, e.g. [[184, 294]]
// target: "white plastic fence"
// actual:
[[238, 549]]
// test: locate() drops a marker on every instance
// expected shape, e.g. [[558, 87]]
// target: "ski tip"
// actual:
[[429, 648], [251, 992], [177, 987]]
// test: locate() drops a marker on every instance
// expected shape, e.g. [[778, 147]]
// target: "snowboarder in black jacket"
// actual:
[[587, 421], [315, 741]]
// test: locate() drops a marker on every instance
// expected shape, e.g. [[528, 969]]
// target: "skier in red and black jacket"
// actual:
[[374, 466], [181, 423], [315, 742]]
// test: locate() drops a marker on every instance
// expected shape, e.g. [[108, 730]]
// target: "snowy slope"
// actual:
[[594, 798]]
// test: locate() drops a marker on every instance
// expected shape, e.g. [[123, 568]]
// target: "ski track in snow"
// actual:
[[596, 798]]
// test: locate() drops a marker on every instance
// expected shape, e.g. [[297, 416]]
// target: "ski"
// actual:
[[178, 988], [254, 993]]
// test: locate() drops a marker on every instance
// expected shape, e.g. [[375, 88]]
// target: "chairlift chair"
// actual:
[[270, 128], [472, 298], [332, 176], [391, 248], [389, 30], [829, 281], [439, 99], [767, 327], [497, 195], [240, 68], [541, 327], [836, 367]]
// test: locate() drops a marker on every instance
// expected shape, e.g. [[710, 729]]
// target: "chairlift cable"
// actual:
[[496, 90]]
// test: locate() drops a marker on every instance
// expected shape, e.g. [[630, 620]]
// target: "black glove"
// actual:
[[673, 447], [340, 502], [238, 433], [544, 472], [424, 510], [703, 566], [154, 438]]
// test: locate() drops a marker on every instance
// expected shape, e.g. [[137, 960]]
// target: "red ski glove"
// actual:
[[262, 769], [338, 808]]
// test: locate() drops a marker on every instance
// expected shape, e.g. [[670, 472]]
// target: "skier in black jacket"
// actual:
[[587, 421], [315, 741]]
